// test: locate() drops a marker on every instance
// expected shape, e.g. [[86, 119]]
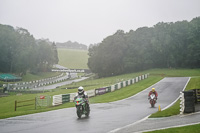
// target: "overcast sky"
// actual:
[[90, 21]]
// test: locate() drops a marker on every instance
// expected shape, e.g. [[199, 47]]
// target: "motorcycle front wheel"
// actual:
[[152, 104], [87, 110], [78, 111]]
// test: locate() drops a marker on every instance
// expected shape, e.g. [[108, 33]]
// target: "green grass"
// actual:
[[173, 110], [31, 110], [185, 129], [194, 83], [73, 59]]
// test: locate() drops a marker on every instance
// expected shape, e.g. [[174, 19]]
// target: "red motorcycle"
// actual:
[[152, 100]]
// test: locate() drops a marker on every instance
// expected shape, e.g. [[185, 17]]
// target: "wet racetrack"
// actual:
[[104, 117]]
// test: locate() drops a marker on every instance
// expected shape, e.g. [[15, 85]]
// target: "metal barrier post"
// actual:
[[35, 103], [15, 105]]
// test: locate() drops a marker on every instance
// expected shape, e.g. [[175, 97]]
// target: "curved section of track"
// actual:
[[103, 118]]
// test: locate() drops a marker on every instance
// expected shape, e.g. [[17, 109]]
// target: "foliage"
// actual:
[[166, 45], [20, 52]]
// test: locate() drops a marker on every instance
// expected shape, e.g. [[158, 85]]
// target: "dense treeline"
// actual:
[[20, 52], [166, 45]]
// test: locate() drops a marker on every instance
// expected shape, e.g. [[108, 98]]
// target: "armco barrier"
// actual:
[[133, 81], [91, 93], [139, 78], [136, 79], [119, 86], [116, 86], [65, 98], [124, 84], [108, 89], [127, 83], [142, 77], [59, 99], [100, 91], [72, 95], [112, 88]]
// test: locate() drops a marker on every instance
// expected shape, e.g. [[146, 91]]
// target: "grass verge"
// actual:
[[173, 110]]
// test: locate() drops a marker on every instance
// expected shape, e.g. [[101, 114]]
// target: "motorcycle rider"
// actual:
[[154, 92], [82, 93]]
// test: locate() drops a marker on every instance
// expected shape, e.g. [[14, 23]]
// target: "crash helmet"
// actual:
[[153, 89], [80, 89]]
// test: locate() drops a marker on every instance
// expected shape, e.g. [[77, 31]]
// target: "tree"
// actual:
[[165, 45], [20, 52]]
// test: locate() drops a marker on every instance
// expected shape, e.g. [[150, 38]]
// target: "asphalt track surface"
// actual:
[[104, 117]]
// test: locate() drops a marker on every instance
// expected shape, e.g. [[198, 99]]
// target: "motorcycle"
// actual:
[[82, 107], [152, 100]]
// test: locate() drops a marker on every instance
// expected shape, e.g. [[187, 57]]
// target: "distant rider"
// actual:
[[82, 93], [154, 92]]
